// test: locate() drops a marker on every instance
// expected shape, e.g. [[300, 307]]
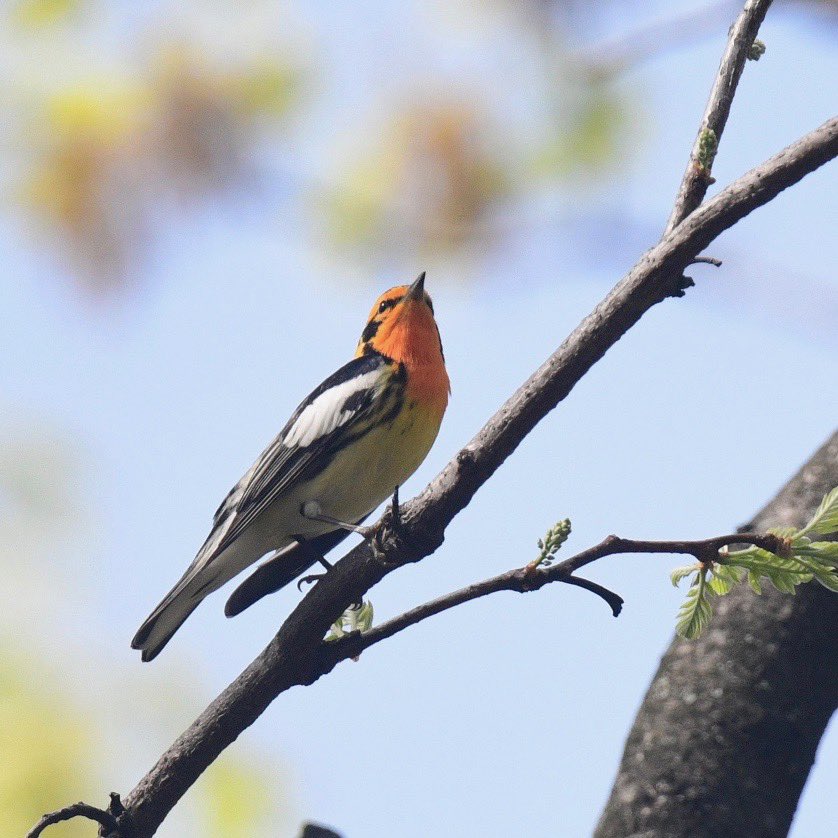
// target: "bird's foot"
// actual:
[[309, 580], [313, 578], [389, 533], [396, 512]]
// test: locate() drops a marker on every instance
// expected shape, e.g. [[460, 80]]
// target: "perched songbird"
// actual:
[[345, 450]]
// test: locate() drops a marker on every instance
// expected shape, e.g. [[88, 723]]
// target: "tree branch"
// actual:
[[293, 656], [763, 684], [314, 830], [77, 810], [697, 176], [532, 577]]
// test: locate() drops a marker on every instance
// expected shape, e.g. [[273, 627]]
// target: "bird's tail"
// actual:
[[200, 580], [162, 623]]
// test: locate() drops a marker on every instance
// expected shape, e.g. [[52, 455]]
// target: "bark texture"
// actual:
[[726, 736]]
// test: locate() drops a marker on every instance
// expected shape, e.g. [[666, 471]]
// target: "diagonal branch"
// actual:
[[697, 176], [292, 657]]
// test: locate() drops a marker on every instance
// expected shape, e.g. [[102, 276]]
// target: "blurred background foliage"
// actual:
[[120, 120], [108, 141], [59, 738], [211, 98], [48, 744]]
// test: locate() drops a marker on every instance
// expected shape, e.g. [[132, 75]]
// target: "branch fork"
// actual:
[[115, 822]]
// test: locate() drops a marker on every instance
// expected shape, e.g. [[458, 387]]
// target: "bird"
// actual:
[[347, 448]]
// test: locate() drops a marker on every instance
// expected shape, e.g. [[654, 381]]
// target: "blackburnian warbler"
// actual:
[[345, 450]]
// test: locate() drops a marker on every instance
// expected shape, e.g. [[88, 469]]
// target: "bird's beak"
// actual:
[[417, 290]]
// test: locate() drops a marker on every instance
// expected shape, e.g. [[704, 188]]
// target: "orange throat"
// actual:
[[413, 340]]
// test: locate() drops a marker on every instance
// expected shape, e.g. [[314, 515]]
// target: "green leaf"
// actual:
[[337, 630], [783, 573], [827, 578], [353, 619], [682, 572], [823, 571], [696, 611], [783, 582], [360, 619], [766, 563], [823, 551], [725, 576], [825, 520]]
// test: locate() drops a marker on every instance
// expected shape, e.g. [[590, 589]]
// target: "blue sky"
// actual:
[[506, 716]]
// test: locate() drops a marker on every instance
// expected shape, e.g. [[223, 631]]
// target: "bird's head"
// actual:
[[401, 326]]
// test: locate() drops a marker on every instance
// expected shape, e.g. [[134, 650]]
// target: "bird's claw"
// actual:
[[390, 528], [309, 580], [396, 512]]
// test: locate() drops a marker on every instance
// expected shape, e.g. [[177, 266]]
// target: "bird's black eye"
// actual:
[[385, 304]]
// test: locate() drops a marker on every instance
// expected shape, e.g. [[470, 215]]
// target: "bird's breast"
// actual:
[[364, 474]]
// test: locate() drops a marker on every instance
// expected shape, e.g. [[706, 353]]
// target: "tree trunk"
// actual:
[[727, 733]]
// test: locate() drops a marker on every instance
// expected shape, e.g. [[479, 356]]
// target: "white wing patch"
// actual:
[[326, 412]]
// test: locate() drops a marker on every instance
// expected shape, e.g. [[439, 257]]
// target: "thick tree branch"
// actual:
[[293, 656], [697, 176], [729, 727]]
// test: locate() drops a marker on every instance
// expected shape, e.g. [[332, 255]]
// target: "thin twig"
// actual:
[[749, 699], [697, 176], [704, 550], [534, 577], [77, 810], [615, 56], [614, 601], [707, 260]]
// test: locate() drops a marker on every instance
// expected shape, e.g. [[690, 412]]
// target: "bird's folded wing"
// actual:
[[339, 410]]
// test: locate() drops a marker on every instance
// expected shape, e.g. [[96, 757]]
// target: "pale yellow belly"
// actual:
[[359, 478]]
